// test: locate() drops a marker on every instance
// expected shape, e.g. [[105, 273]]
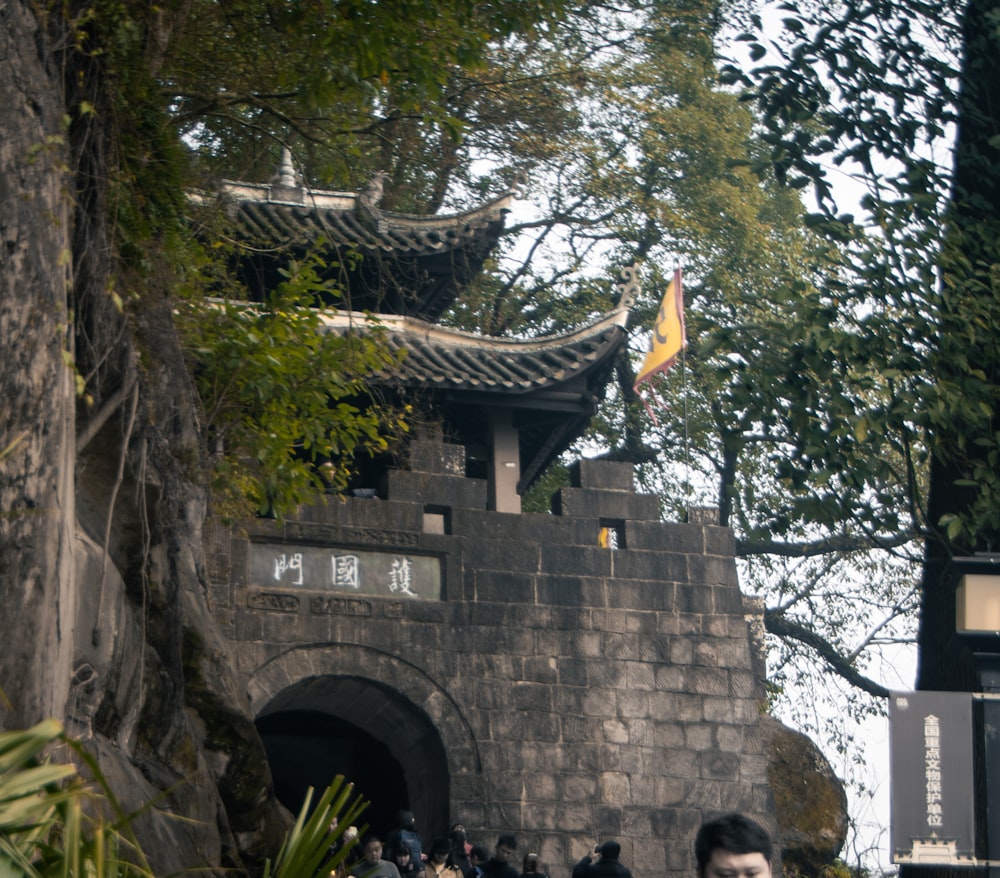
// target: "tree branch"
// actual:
[[844, 543], [781, 626]]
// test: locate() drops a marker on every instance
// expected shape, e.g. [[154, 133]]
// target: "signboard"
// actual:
[[932, 778], [346, 571]]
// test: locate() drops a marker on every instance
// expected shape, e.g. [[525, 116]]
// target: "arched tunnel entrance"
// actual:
[[373, 735]]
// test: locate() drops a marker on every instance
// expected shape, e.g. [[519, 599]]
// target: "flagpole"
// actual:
[[687, 443]]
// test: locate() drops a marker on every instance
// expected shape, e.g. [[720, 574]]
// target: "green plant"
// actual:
[[284, 396], [52, 821], [305, 852], [55, 823]]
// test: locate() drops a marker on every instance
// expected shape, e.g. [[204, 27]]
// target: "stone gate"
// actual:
[[569, 677]]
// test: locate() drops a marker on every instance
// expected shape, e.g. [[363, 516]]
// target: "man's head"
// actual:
[[733, 846], [372, 849], [506, 848], [478, 855], [439, 850], [610, 850]]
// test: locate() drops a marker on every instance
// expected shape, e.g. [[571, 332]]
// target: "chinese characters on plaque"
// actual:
[[392, 574], [932, 778]]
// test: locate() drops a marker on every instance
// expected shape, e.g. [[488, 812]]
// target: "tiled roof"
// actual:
[[292, 216], [551, 384], [411, 268], [437, 357], [408, 264]]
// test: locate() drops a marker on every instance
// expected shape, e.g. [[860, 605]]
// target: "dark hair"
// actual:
[[611, 850], [508, 841], [369, 838], [480, 853], [733, 833]]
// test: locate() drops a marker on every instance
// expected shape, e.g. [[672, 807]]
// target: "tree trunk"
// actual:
[[974, 235], [966, 347]]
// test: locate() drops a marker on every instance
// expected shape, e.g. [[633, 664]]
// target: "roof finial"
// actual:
[[628, 286], [286, 176], [371, 195]]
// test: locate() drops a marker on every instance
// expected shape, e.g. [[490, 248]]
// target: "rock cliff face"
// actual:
[[36, 388], [102, 586], [153, 691]]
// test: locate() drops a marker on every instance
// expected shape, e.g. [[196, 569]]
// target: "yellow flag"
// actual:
[[669, 335]]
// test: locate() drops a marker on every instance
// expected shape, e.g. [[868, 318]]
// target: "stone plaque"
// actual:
[[281, 603], [331, 605], [398, 574]]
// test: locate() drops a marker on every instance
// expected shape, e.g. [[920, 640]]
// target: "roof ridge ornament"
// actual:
[[286, 185], [286, 177], [628, 287], [369, 198]]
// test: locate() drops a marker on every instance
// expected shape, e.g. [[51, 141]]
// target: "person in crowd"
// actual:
[[602, 862], [404, 862], [437, 861], [460, 850], [346, 841], [405, 835], [733, 846], [531, 867], [498, 865], [372, 865], [478, 855]]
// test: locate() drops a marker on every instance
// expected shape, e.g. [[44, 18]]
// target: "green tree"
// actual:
[[929, 265], [792, 379], [792, 410]]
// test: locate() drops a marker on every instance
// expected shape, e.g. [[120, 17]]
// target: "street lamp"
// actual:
[[977, 621], [977, 599]]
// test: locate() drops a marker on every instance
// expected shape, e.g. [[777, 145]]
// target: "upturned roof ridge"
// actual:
[[338, 319], [278, 193]]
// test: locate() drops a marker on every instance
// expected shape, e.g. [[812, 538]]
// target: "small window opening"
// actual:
[[611, 534], [437, 520]]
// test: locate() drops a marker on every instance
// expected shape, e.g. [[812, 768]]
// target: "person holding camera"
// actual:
[[602, 862]]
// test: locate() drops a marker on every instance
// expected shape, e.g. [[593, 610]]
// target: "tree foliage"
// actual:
[[792, 410], [282, 393], [885, 92]]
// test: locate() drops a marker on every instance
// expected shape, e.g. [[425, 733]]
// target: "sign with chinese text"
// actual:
[[932, 778], [348, 571]]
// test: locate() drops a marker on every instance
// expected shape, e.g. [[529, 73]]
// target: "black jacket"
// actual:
[[493, 868], [603, 868]]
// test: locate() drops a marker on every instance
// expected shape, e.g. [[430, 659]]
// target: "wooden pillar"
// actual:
[[505, 463]]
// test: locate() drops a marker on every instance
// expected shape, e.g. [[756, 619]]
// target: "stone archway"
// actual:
[[390, 724]]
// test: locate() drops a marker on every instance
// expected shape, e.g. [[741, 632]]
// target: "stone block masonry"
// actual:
[[536, 683]]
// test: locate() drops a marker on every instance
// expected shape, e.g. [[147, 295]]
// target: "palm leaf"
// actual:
[[305, 852]]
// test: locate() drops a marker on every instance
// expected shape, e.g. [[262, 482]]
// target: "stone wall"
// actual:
[[555, 688]]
